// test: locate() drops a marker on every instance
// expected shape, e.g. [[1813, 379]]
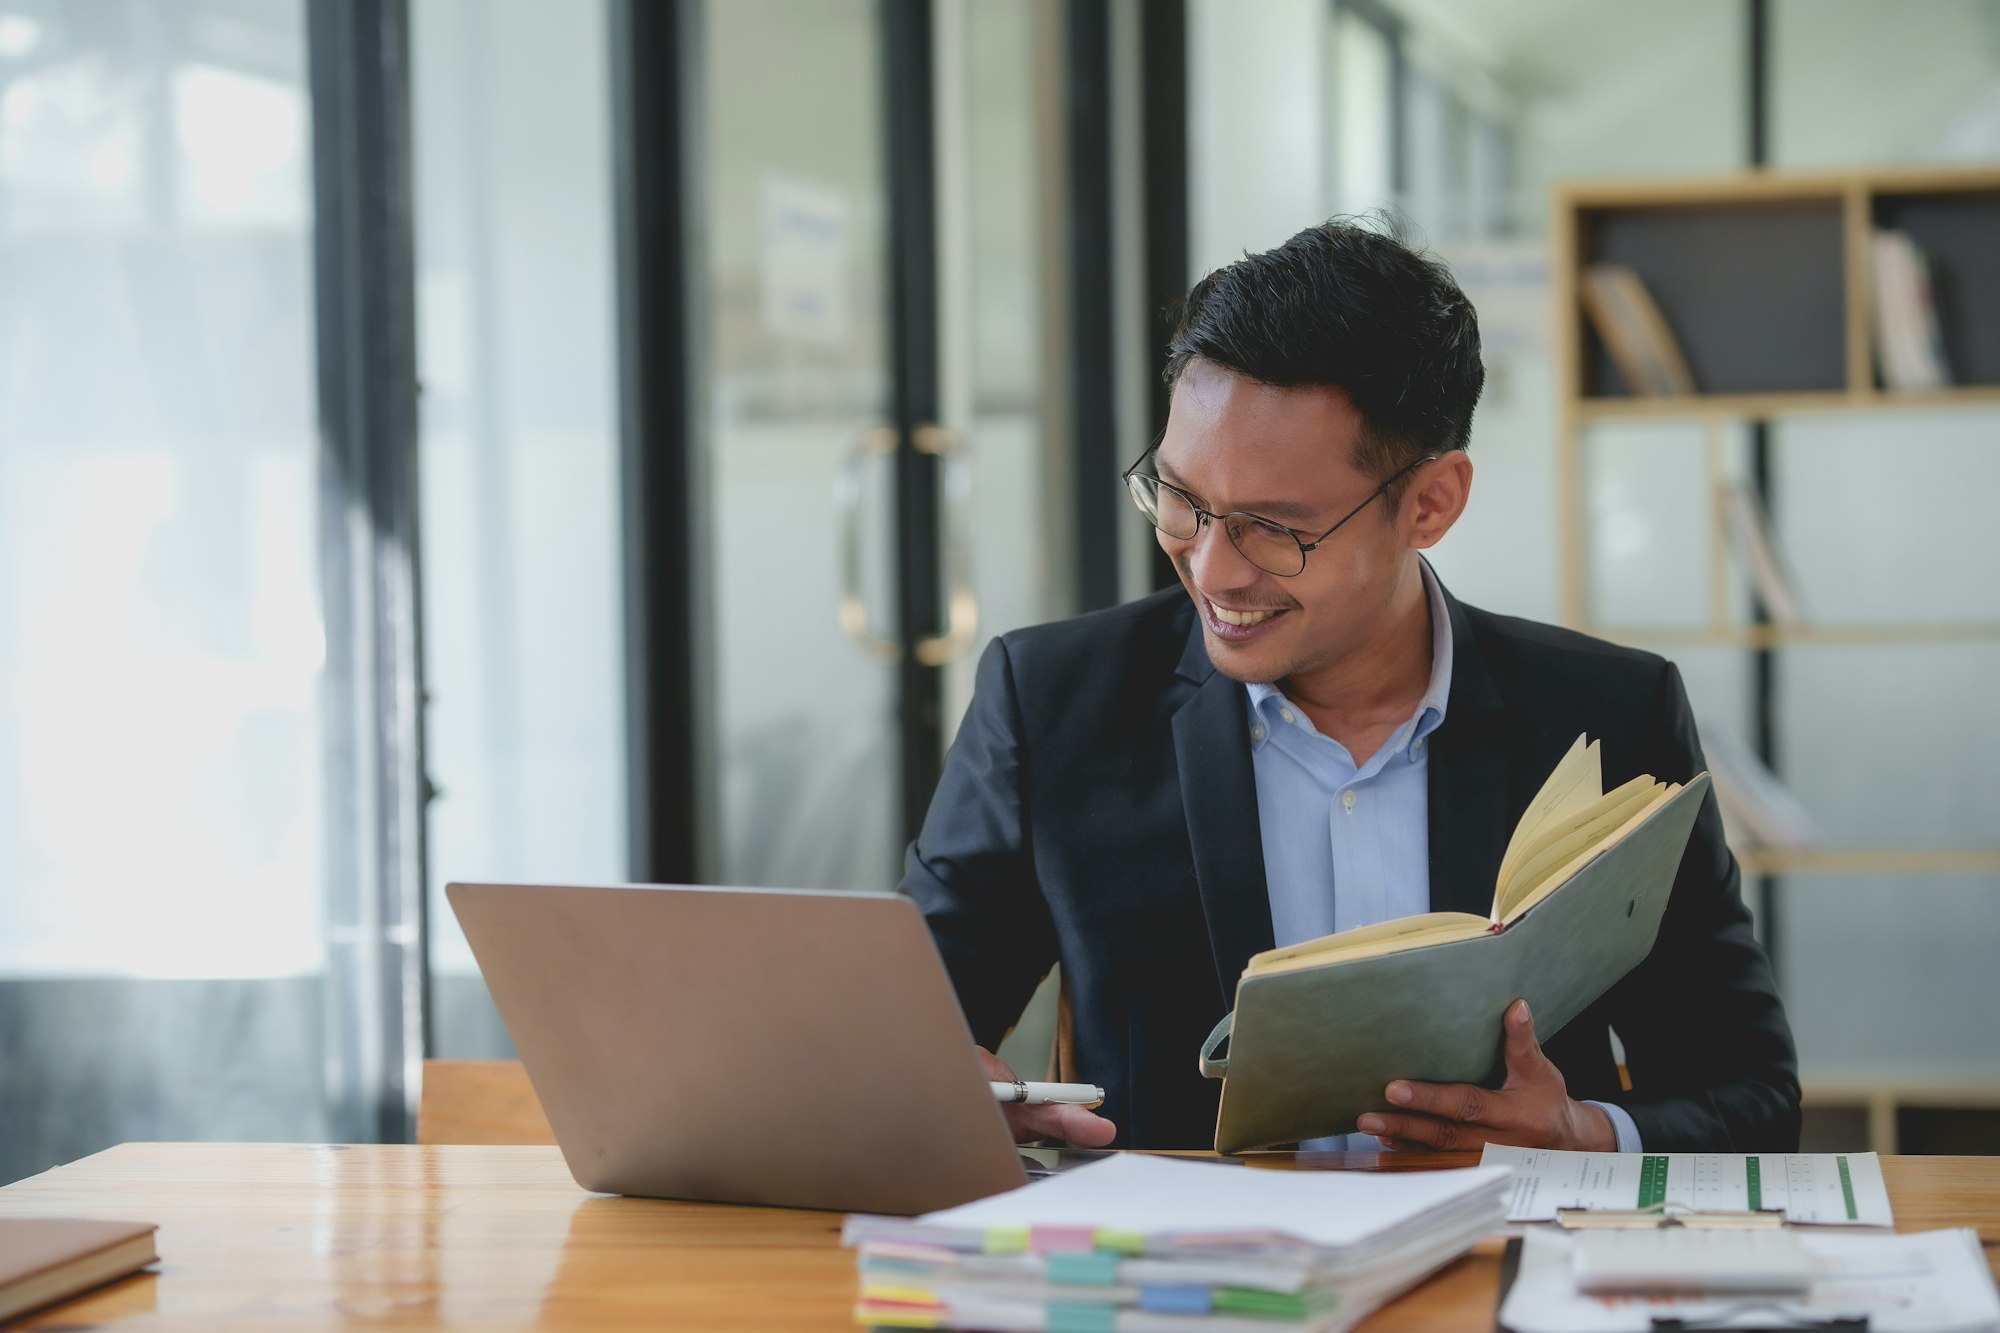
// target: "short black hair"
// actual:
[[1349, 303]]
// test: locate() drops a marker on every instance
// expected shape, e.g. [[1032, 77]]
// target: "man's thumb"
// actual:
[[1522, 1048]]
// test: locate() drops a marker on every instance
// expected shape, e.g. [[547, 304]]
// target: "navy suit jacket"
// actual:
[[1098, 808]]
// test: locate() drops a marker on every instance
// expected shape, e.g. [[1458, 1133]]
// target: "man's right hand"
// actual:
[[1076, 1125]]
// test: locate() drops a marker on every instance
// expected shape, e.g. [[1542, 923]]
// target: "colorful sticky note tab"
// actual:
[[1047, 1240], [1078, 1317], [1005, 1240], [1085, 1268], [1173, 1298], [1120, 1242], [1270, 1304], [900, 1293]]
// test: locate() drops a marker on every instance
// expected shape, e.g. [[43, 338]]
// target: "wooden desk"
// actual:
[[302, 1237]]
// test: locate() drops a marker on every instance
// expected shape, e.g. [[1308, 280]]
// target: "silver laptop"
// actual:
[[743, 1045]]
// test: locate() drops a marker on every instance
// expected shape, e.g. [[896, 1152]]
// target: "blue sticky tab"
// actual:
[[1077, 1317], [1174, 1299], [1083, 1268]]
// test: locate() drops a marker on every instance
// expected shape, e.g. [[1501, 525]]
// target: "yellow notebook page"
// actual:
[[1560, 839], [1631, 814], [1391, 936], [1577, 781]]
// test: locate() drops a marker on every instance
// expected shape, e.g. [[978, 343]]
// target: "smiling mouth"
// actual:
[[1237, 625], [1240, 618]]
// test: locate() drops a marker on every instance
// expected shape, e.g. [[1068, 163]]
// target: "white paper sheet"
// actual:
[[1159, 1196], [1837, 1189], [1929, 1282]]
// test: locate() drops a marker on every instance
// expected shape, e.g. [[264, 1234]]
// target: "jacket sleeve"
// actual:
[[1706, 1041], [971, 869]]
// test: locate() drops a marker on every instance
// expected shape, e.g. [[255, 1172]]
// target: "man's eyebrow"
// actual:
[[1288, 511]]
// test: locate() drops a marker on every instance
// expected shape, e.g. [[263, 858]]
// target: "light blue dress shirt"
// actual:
[[1347, 846]]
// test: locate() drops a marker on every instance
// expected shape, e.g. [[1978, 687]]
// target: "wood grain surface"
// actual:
[[285, 1236]]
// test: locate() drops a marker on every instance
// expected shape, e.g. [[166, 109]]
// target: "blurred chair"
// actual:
[[480, 1101]]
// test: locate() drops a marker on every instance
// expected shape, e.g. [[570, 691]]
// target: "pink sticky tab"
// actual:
[[1043, 1240]]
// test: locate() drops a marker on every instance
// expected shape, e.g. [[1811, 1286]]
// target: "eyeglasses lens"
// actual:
[[1267, 546], [1166, 508]]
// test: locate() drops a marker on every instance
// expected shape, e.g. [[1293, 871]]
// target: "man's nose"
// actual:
[[1216, 563]]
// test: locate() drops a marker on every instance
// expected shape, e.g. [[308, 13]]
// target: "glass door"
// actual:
[[871, 311], [798, 453], [869, 342]]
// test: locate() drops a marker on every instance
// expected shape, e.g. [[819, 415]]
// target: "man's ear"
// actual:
[[1437, 497]]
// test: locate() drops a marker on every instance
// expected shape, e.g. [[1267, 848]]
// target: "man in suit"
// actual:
[[1312, 734]]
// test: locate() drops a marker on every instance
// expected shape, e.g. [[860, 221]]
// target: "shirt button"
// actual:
[[1347, 798], [1286, 714], [1419, 746], [1256, 733]]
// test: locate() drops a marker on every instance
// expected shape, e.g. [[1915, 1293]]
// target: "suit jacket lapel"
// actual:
[[1470, 789], [1219, 794], [1470, 778]]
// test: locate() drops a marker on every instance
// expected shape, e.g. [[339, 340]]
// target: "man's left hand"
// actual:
[[1532, 1109]]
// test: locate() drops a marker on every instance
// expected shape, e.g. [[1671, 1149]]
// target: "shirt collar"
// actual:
[[1266, 700]]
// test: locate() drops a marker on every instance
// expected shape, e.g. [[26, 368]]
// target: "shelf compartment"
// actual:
[[1755, 291], [1957, 231]]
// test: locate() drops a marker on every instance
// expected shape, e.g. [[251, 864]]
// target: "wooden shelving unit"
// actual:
[[1882, 1101], [1765, 280]]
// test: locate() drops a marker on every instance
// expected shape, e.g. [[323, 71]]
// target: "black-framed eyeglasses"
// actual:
[[1264, 542]]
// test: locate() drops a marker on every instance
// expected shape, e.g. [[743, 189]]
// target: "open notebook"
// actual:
[[1321, 1027], [1570, 821]]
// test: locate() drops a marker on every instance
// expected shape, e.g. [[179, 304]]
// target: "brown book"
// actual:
[[1634, 331], [48, 1259], [1615, 329]]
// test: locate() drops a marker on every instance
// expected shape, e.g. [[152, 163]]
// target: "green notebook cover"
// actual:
[[1311, 1050]]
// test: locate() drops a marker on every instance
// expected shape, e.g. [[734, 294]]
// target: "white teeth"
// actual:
[[1240, 618]]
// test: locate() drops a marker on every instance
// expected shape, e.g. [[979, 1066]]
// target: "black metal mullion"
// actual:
[[915, 390], [365, 316], [650, 72], [1763, 661], [1093, 364], [1163, 53]]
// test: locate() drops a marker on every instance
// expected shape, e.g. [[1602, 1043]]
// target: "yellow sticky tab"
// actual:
[[890, 1291], [1119, 1242], [1005, 1240]]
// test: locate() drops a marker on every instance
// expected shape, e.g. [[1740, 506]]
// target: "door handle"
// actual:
[[878, 443], [962, 602]]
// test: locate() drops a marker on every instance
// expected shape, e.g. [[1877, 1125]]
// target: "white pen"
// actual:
[[1047, 1094]]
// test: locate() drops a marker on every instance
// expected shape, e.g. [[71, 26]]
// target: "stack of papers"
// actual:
[[1134, 1244], [1929, 1282]]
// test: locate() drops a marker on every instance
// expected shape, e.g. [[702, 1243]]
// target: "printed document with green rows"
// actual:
[[1837, 1189]]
